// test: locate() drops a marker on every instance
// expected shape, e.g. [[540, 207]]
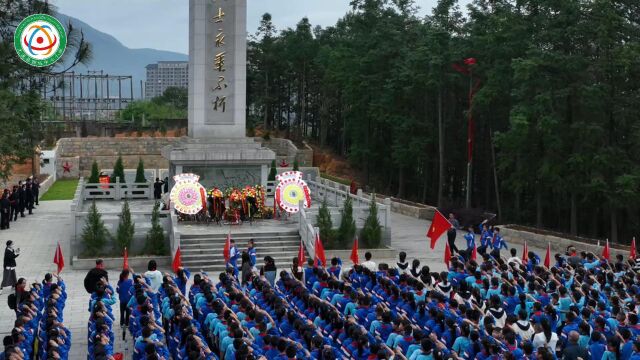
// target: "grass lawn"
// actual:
[[61, 190]]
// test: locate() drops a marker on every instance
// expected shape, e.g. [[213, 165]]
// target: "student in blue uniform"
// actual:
[[497, 243], [470, 239], [251, 250]]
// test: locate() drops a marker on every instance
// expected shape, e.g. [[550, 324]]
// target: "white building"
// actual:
[[166, 74]]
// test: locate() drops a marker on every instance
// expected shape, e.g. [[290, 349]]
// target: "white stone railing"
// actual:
[[336, 194], [117, 191], [306, 230], [174, 234]]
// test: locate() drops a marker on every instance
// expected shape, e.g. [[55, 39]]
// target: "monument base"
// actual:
[[222, 163]]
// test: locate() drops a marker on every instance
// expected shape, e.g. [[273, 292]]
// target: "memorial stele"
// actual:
[[217, 148]]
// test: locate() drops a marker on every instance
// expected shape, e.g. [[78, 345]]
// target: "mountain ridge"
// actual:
[[114, 58]]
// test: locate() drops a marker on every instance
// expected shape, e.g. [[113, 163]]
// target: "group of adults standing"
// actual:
[[14, 201]]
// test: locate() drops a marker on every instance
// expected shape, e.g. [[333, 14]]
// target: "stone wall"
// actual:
[[106, 151], [286, 150]]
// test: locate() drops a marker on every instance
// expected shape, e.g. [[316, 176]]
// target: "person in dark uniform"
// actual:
[[166, 184], [157, 189], [22, 198], [95, 277], [9, 278], [35, 187], [5, 210], [28, 194], [15, 203]]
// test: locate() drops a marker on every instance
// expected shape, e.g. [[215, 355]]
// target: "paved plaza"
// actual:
[[38, 234]]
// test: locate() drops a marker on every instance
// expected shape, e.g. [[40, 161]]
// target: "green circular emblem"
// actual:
[[40, 40]]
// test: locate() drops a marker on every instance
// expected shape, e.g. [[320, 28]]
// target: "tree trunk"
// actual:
[[614, 225], [266, 102], [440, 150], [401, 181], [324, 121], [574, 215], [538, 206], [495, 176]]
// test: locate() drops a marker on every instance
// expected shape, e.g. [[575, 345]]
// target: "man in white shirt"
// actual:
[[514, 258], [371, 265], [153, 275]]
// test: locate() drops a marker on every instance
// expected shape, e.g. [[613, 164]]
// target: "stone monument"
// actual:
[[216, 148]]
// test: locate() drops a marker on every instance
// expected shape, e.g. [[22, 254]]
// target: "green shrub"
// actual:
[[126, 228], [155, 244], [273, 172], [94, 235], [140, 178], [324, 223], [371, 233], [347, 229], [118, 171], [296, 167], [95, 173]]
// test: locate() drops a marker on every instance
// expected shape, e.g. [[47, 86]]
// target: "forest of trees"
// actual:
[[557, 104]]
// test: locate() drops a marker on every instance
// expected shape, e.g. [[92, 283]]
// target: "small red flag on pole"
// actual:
[[547, 258], [354, 252], [58, 258], [177, 260], [606, 252], [525, 253], [125, 262], [319, 251], [439, 225], [632, 253], [447, 255], [301, 258], [227, 248], [474, 253]]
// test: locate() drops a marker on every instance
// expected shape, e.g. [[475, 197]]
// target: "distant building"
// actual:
[[166, 74]]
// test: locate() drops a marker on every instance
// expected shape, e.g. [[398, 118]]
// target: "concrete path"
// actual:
[[38, 234]]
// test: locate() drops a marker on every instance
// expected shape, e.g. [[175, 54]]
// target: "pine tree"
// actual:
[[126, 228], [140, 178], [95, 173], [95, 234], [371, 233], [118, 171], [155, 244], [323, 220], [273, 172], [347, 229]]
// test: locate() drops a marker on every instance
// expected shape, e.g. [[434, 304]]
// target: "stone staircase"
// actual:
[[205, 251]]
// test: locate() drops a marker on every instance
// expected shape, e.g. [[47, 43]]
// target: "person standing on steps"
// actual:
[[451, 233], [251, 250], [9, 278], [35, 187], [157, 189]]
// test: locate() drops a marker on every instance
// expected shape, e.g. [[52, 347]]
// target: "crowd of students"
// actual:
[[39, 316], [583, 307]]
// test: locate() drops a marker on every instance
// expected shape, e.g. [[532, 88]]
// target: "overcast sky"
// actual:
[[162, 24]]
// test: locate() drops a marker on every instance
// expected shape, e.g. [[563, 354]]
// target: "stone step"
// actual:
[[266, 250], [196, 264], [240, 236], [283, 238], [218, 254]]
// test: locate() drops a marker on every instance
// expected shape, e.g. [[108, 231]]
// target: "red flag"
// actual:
[[125, 262], [354, 252], [319, 252], [632, 253], [447, 255], [474, 253], [439, 225], [177, 260], [227, 248], [547, 258], [301, 258], [606, 252], [58, 259], [525, 253]]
